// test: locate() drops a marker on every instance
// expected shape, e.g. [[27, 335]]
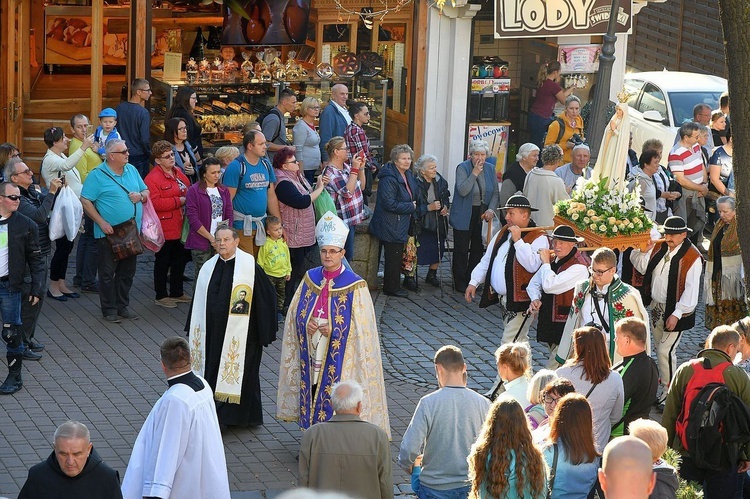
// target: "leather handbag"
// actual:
[[125, 241]]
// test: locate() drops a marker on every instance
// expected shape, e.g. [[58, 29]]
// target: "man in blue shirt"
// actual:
[[113, 193], [250, 180], [134, 122]]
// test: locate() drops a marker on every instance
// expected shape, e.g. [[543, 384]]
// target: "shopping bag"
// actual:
[[152, 235], [66, 216], [323, 205], [489, 232]]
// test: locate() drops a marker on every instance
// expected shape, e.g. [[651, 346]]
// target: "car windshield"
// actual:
[[684, 102]]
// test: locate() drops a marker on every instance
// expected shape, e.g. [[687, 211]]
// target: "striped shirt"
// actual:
[[688, 162]]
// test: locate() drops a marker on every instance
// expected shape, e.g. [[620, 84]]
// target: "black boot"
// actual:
[[432, 278], [410, 283], [13, 382]]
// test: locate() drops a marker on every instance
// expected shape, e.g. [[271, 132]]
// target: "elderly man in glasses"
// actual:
[[600, 301], [19, 243], [113, 194]]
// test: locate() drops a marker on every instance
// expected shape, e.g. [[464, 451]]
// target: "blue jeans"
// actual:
[[10, 308], [86, 255], [428, 493], [716, 484], [349, 245], [537, 129]]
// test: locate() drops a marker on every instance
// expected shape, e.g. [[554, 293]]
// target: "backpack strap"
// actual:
[[552, 471], [561, 131]]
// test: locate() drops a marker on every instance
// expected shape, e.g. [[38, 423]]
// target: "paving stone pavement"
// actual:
[[109, 376]]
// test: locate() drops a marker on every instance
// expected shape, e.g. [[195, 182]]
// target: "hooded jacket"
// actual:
[[47, 481]]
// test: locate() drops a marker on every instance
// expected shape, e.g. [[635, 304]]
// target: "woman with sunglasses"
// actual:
[[168, 186]]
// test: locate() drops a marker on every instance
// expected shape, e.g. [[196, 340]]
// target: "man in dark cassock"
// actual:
[[226, 346], [73, 470]]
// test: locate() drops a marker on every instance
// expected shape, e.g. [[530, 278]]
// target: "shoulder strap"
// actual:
[[121, 187], [560, 132], [552, 471], [591, 389]]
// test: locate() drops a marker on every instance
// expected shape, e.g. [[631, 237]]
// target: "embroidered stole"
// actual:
[[232, 363]]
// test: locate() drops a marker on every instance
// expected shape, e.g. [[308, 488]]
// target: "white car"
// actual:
[[660, 101]]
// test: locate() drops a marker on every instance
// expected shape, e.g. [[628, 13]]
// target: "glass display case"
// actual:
[[372, 91], [222, 109]]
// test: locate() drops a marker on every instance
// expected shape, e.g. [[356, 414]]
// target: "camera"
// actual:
[[576, 139], [594, 325]]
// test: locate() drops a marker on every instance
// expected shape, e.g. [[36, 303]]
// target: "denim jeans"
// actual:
[[428, 493], [86, 254], [349, 245], [10, 308], [30, 313], [537, 129], [716, 484]]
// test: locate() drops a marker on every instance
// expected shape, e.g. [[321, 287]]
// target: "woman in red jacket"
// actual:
[[168, 186]]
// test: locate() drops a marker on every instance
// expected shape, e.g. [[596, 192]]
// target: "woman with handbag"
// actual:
[[394, 220], [168, 187], [433, 201], [56, 164], [570, 451], [207, 204], [296, 199]]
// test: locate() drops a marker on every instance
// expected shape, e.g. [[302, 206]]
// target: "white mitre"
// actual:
[[331, 231]]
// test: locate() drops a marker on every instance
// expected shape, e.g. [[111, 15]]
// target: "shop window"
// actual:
[[653, 100]]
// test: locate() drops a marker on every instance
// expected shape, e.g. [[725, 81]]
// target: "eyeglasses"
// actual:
[[342, 148], [12, 197], [291, 161], [167, 156], [27, 171], [145, 90], [330, 252], [599, 273], [126, 151], [16, 154], [547, 399]]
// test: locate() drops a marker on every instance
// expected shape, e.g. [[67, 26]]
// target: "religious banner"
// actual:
[[537, 18]]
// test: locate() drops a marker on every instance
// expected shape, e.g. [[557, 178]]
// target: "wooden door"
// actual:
[[13, 23]]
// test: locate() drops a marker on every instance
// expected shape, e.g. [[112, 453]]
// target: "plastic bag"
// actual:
[[66, 216], [152, 235], [495, 227], [323, 205]]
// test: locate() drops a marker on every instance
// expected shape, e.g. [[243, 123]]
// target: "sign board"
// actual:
[[579, 58], [540, 18], [496, 135]]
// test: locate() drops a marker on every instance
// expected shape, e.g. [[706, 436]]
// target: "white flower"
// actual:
[[592, 227], [574, 217], [603, 228], [586, 220], [614, 228]]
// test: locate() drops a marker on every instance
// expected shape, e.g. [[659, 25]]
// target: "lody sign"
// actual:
[[540, 18]]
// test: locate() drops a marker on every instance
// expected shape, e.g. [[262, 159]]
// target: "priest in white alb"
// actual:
[[233, 316], [179, 451], [330, 335]]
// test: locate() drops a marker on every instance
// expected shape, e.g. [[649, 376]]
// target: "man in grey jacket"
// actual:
[[443, 428]]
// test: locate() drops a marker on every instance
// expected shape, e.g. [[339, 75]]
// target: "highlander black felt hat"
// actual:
[[675, 225], [518, 201], [566, 233]]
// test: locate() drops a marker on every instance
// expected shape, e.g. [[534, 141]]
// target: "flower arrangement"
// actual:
[[594, 207]]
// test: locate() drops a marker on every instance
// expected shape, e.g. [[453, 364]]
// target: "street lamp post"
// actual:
[[601, 95]]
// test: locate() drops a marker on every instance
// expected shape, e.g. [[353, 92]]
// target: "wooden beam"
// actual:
[[97, 58], [419, 73], [139, 41]]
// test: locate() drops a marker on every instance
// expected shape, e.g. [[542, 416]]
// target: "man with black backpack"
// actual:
[[273, 122], [707, 418]]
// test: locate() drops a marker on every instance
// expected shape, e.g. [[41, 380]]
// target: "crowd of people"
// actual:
[[263, 255]]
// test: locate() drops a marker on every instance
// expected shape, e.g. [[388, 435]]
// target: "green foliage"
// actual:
[[686, 490]]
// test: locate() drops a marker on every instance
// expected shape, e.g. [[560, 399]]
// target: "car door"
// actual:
[[653, 99]]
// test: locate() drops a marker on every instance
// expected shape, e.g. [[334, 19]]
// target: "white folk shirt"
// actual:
[[546, 280], [660, 280], [526, 254], [588, 309], [179, 452]]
